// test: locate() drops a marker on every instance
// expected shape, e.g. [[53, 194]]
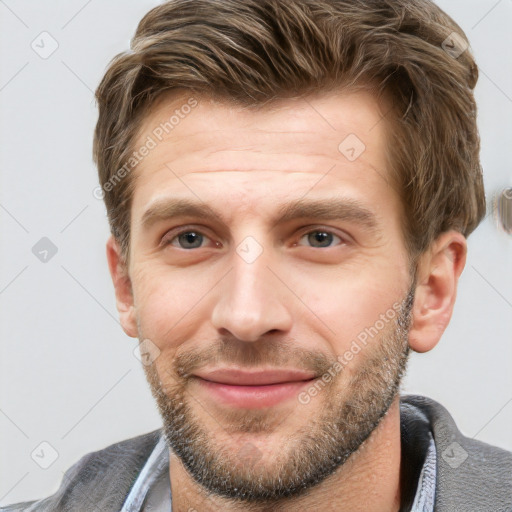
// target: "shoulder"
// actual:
[[470, 473], [100, 480]]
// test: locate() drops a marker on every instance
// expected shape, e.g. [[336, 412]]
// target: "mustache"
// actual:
[[274, 352], [260, 354]]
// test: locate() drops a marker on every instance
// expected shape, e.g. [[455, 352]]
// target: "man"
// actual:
[[290, 185]]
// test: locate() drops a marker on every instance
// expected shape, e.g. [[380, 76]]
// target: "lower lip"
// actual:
[[253, 397]]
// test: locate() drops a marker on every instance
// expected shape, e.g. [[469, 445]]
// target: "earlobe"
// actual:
[[122, 287], [436, 290]]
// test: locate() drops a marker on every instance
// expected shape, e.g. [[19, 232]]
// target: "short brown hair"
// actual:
[[252, 52]]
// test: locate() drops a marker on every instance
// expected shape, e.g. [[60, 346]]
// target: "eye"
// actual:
[[320, 238], [194, 239], [187, 239]]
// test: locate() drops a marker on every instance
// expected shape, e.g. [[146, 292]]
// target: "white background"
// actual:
[[67, 371]]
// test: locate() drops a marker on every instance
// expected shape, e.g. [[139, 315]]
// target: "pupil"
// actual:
[[190, 237], [320, 236]]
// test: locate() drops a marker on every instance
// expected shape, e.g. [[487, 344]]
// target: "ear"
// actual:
[[438, 272], [123, 287]]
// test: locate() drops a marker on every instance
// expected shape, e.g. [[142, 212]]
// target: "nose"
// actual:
[[251, 300]]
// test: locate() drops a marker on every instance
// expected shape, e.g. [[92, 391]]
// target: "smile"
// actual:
[[228, 389]]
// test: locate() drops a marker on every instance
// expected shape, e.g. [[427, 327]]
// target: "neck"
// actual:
[[369, 481]]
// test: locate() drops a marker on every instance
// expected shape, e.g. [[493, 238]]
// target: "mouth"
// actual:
[[253, 390]]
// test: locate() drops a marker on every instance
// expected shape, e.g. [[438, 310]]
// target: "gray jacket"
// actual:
[[471, 475]]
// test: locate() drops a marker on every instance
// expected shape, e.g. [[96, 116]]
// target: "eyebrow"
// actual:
[[345, 209]]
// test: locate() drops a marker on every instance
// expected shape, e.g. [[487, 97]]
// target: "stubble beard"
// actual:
[[301, 460]]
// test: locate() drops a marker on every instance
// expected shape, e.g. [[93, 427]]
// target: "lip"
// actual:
[[238, 377], [253, 390]]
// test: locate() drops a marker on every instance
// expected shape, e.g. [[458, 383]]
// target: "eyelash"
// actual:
[[165, 242]]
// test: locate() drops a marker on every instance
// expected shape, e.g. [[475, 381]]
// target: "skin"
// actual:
[[299, 304]]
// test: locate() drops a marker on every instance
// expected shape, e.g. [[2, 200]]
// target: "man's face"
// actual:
[[281, 338]]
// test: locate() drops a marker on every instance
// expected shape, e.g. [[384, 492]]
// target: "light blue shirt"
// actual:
[[152, 489]]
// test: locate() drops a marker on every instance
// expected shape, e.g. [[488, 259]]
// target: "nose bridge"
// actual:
[[250, 301]]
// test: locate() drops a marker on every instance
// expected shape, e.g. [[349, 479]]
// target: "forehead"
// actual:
[[326, 142]]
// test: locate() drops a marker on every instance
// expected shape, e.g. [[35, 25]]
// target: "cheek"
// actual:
[[164, 306], [352, 300]]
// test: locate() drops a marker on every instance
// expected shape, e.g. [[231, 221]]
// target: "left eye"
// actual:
[[320, 238]]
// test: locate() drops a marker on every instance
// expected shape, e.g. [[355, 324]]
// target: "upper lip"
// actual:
[[255, 377]]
